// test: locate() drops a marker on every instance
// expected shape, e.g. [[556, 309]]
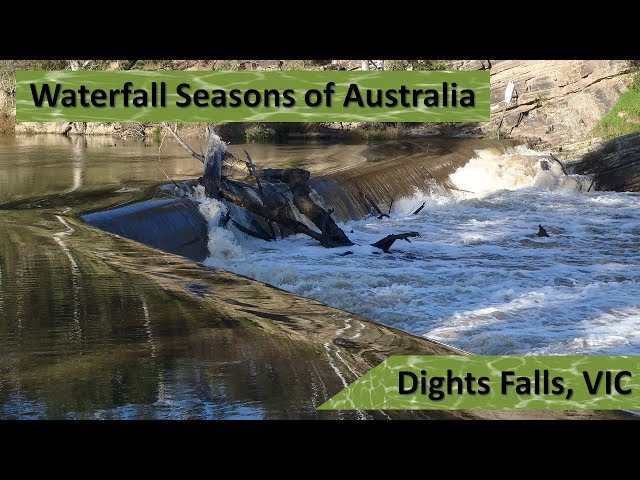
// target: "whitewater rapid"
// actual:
[[478, 278]]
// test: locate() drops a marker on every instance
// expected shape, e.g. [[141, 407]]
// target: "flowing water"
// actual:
[[94, 326], [479, 277], [97, 326]]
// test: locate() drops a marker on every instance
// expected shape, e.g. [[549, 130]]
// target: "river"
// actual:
[[96, 326], [479, 278]]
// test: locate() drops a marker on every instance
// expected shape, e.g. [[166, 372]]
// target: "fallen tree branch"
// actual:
[[268, 202], [385, 243], [564, 170], [184, 144], [251, 168], [250, 232], [374, 210], [419, 209], [160, 165]]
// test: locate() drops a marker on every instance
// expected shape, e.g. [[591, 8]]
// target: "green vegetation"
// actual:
[[156, 134], [152, 64], [259, 133], [378, 132], [303, 64], [415, 65], [624, 117]]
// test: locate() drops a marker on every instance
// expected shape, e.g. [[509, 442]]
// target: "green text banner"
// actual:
[[252, 96], [495, 382]]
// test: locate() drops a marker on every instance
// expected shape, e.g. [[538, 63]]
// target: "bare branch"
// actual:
[[419, 209], [251, 233], [160, 164], [252, 171], [386, 242], [184, 144], [564, 170]]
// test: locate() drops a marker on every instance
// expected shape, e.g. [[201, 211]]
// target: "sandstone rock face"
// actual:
[[5, 100], [557, 102], [92, 128], [615, 165]]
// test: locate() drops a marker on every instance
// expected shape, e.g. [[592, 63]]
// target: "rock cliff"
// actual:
[[556, 102]]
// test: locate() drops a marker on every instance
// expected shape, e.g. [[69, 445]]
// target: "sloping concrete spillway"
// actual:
[[171, 224], [391, 170], [394, 170]]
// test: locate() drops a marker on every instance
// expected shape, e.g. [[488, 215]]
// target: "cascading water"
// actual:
[[479, 277]]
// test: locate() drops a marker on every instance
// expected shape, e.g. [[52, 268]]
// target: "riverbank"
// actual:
[[568, 106]]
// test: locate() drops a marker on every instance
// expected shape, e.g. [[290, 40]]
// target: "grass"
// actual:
[[624, 117], [302, 64], [156, 134], [415, 65]]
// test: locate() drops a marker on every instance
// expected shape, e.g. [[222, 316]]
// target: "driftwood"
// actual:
[[564, 170], [269, 199], [386, 242], [419, 209], [374, 210]]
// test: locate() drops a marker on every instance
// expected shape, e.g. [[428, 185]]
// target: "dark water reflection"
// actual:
[[83, 335], [96, 326]]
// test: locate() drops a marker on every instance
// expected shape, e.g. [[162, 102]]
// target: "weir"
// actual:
[[395, 170], [171, 224], [391, 171]]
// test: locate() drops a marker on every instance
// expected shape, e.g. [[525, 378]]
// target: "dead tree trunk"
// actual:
[[297, 180], [268, 201], [386, 242]]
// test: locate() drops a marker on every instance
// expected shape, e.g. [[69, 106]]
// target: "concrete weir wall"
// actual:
[[173, 225]]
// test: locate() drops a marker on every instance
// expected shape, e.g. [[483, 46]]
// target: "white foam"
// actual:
[[222, 242], [478, 278], [517, 169]]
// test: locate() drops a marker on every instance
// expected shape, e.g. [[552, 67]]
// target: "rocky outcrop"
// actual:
[[557, 102], [615, 165]]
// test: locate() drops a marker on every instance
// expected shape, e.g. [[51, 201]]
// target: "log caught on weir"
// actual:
[[268, 199]]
